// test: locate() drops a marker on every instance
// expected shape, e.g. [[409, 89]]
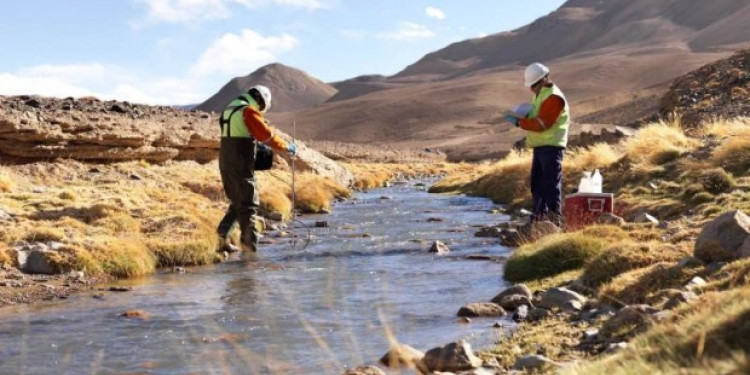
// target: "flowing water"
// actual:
[[287, 311]]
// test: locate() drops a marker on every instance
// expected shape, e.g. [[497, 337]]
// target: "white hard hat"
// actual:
[[265, 93], [534, 73]]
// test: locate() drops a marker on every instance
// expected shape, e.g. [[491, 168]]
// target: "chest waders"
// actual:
[[236, 161]]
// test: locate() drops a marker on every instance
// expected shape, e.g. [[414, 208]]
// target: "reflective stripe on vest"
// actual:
[[557, 133], [236, 123]]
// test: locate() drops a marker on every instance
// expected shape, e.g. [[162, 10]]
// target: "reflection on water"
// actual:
[[309, 311]]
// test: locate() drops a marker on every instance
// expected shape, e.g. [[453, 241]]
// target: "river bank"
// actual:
[[659, 290], [91, 223]]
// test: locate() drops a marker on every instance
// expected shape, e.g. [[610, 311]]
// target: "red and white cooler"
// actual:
[[582, 209]]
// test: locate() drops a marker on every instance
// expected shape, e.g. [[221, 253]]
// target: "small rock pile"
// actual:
[[720, 89]]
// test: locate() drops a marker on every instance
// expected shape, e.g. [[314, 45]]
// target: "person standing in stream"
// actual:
[[242, 126], [546, 126]]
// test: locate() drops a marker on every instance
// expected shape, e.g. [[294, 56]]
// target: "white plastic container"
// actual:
[[591, 183]]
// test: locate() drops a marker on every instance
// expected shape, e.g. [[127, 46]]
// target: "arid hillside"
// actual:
[[605, 55], [292, 88]]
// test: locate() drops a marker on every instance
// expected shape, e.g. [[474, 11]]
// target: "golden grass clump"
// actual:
[[184, 252], [553, 255], [274, 200], [211, 190], [122, 257], [658, 143], [598, 156], [5, 255], [733, 153], [6, 182], [315, 193], [44, 234], [627, 256], [508, 180], [118, 223]]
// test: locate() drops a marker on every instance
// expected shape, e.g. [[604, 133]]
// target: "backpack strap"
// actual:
[[227, 121]]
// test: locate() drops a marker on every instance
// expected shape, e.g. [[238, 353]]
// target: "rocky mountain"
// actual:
[[292, 89], [604, 54]]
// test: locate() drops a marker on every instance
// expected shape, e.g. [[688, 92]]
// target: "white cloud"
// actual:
[[435, 13], [407, 31], [176, 11], [353, 34], [235, 54], [100, 80], [230, 54]]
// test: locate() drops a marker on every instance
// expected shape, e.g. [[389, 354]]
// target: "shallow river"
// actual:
[[311, 311]]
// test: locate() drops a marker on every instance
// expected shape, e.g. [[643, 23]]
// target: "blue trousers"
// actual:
[[546, 184]]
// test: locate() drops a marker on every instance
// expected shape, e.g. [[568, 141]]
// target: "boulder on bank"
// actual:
[[518, 289], [534, 362], [724, 239], [629, 321], [481, 309], [401, 355], [456, 356], [610, 219], [562, 298]]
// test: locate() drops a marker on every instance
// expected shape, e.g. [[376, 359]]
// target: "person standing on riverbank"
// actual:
[[546, 126], [242, 127]]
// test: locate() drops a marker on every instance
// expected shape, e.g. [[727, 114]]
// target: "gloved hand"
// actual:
[[511, 120], [291, 149]]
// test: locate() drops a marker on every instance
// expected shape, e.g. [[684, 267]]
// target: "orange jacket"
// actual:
[[548, 113], [260, 130]]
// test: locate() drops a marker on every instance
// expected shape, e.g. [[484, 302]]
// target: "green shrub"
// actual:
[[553, 255]]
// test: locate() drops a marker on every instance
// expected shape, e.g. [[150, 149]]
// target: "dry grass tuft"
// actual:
[[507, 181], [275, 201], [598, 156], [627, 256], [658, 143], [185, 252], [6, 182], [44, 234], [67, 195], [118, 223], [733, 153], [211, 190], [5, 258], [122, 257]]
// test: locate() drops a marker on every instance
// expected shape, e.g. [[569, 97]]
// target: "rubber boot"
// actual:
[[226, 246], [248, 238]]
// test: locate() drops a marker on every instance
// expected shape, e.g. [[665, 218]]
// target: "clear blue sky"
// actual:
[[183, 51]]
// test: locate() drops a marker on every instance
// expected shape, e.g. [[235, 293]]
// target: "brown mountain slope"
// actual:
[[581, 26], [461, 116], [292, 89], [604, 54]]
